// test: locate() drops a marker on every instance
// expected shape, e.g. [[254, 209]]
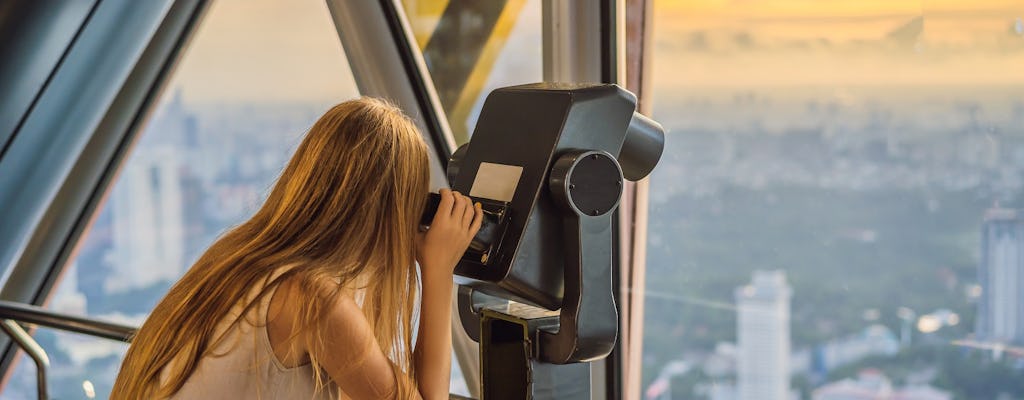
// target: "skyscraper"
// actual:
[[150, 240], [148, 227], [1001, 276], [763, 337]]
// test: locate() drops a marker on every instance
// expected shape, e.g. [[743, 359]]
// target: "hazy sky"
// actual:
[[277, 50], [828, 42], [265, 50]]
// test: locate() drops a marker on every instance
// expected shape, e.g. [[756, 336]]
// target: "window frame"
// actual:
[[50, 208]]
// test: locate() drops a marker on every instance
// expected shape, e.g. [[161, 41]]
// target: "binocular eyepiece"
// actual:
[[488, 238]]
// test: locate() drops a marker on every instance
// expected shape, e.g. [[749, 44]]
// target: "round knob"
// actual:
[[587, 182]]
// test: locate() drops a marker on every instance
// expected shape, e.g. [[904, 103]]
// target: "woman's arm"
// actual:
[[456, 222], [433, 354], [355, 361]]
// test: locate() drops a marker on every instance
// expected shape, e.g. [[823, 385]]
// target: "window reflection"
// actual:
[[473, 47]]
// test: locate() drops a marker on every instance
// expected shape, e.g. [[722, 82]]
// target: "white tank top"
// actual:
[[243, 365]]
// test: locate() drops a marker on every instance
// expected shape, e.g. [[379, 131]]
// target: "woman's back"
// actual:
[[242, 365]]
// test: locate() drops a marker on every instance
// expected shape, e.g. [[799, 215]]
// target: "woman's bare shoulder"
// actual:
[[301, 292]]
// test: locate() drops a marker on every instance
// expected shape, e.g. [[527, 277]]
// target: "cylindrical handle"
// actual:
[[642, 148]]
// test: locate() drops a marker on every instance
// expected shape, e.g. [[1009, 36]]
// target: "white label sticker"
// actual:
[[496, 181]]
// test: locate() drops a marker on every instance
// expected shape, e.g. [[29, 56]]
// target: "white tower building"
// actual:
[[1001, 276], [763, 337], [148, 225]]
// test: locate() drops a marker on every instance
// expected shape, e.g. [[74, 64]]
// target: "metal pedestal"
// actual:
[[509, 358]]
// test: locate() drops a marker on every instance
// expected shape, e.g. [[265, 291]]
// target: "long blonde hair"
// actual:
[[345, 207]]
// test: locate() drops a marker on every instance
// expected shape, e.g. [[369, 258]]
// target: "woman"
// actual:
[[313, 296]]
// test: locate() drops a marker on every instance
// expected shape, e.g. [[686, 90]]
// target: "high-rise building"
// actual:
[[148, 226], [151, 228], [1001, 277], [763, 337]]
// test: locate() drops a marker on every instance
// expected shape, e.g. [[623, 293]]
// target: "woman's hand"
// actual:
[[457, 220], [438, 251]]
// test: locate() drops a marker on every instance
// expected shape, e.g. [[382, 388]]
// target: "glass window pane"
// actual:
[[256, 76], [837, 208], [473, 47]]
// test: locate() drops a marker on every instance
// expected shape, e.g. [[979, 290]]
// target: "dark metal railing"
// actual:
[[30, 314], [12, 314], [25, 341]]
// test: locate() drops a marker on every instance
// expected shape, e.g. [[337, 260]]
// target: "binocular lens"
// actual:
[[491, 228]]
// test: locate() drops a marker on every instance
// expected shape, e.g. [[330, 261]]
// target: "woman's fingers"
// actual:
[[444, 208], [455, 204], [467, 213], [461, 203], [478, 219], [457, 221], [460, 210]]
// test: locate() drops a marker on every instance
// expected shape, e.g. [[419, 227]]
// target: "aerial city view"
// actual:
[[839, 212], [837, 215]]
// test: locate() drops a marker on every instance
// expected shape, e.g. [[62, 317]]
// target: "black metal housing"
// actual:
[[552, 153], [531, 126]]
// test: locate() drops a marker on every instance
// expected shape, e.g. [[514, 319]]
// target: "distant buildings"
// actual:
[[1001, 277], [763, 337], [873, 340], [871, 384]]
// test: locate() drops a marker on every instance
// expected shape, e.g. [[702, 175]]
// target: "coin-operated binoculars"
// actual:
[[547, 161]]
